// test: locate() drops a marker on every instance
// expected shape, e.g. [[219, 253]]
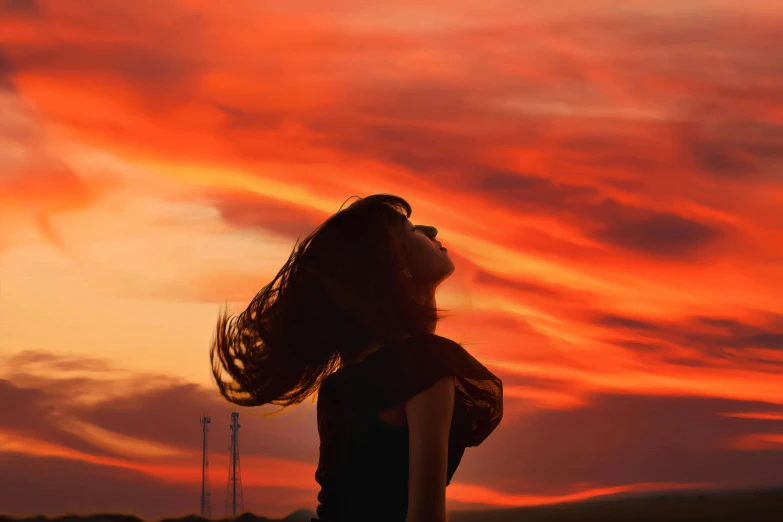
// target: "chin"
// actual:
[[438, 270], [448, 270]]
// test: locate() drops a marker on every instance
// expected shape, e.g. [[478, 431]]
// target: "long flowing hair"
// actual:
[[341, 290]]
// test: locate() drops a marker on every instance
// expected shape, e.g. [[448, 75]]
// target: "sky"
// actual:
[[608, 181]]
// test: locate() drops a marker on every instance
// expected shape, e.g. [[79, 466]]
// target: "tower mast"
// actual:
[[206, 508], [234, 487]]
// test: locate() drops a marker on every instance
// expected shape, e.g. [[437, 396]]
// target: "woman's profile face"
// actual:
[[427, 261]]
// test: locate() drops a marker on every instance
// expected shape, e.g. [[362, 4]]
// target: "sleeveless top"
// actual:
[[363, 463]]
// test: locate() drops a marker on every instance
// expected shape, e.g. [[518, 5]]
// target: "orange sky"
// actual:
[[607, 181]]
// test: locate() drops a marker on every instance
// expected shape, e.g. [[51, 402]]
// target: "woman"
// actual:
[[351, 315]]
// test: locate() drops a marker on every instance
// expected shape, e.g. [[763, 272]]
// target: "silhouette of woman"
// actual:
[[352, 316]]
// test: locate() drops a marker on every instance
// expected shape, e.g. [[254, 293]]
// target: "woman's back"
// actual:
[[363, 467]]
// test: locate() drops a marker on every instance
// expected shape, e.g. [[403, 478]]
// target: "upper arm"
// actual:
[[429, 416]]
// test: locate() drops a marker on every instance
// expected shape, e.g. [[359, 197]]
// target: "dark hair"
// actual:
[[340, 290]]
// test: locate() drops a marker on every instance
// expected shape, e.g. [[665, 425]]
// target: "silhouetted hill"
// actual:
[[301, 515], [743, 506]]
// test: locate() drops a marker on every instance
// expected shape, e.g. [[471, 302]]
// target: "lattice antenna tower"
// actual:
[[206, 506], [234, 500]]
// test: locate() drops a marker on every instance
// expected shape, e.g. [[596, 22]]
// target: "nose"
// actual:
[[430, 232]]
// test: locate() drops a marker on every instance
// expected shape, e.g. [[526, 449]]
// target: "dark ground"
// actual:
[[755, 506]]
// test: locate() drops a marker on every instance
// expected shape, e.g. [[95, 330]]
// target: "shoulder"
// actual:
[[438, 364], [443, 356], [395, 374], [401, 371]]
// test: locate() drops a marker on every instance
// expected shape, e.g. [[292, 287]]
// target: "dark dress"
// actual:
[[363, 464]]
